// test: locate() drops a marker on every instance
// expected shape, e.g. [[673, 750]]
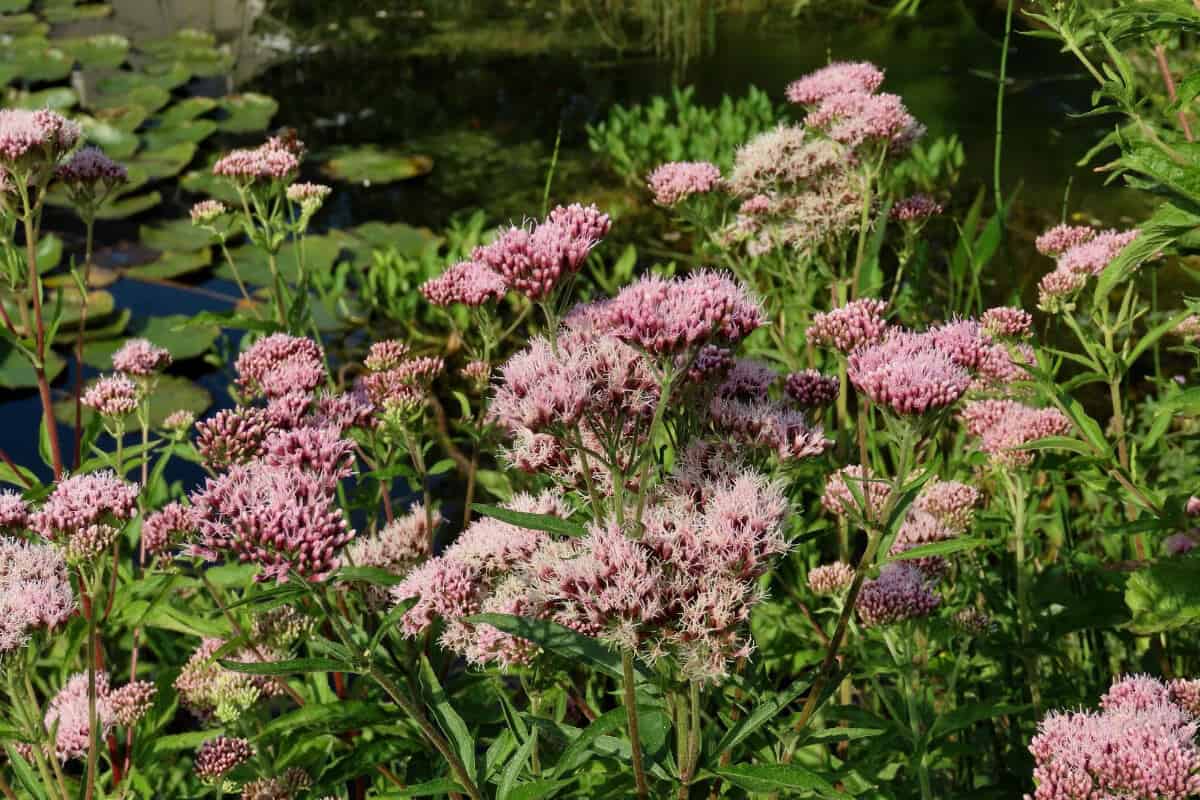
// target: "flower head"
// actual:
[[85, 513], [1092, 256], [1062, 238], [14, 511], [868, 498], [318, 449], [854, 118], [840, 77], [88, 169], [220, 756], [907, 373], [582, 222], [278, 364], [1007, 322], [468, 282], [901, 592], [857, 323], [1004, 426], [916, 207], [141, 357], [308, 195], [534, 261], [206, 212], [679, 180], [232, 436], [209, 690], [68, 711], [269, 162], [386, 354], [35, 592], [830, 579], [810, 389], [131, 702], [401, 544], [34, 138], [173, 522], [113, 396]]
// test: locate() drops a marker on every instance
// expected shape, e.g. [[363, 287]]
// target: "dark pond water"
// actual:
[[485, 95]]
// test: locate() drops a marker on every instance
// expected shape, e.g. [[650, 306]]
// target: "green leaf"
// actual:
[[372, 575], [448, 719], [966, 716], [1058, 443], [17, 373], [247, 113], [329, 718], [436, 788], [1165, 596], [126, 207], [515, 764], [291, 666], [776, 777], [370, 165], [167, 162], [102, 51], [942, 548], [186, 110], [171, 264], [557, 639], [24, 773], [764, 712], [537, 789], [183, 337], [177, 234], [1166, 225], [536, 522], [577, 751], [117, 143]]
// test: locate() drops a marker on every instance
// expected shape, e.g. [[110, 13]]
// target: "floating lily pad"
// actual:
[[193, 131], [99, 303], [371, 165], [23, 25], [59, 14], [17, 373], [103, 329], [247, 112], [125, 207], [117, 143], [202, 181], [186, 110], [320, 254], [38, 62], [407, 240], [172, 264], [148, 97], [125, 118], [13, 6], [178, 234], [172, 393], [102, 51], [167, 162], [59, 98], [177, 333]]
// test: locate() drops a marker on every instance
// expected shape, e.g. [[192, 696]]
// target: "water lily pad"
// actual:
[[102, 329], [193, 131], [102, 51], [23, 25], [17, 373], [171, 264], [125, 207], [172, 393], [186, 110], [99, 303], [178, 234], [148, 97], [247, 113], [166, 162], [125, 118], [406, 239], [202, 181], [61, 13], [13, 6], [117, 143], [320, 254], [182, 337], [37, 61], [371, 165], [58, 98]]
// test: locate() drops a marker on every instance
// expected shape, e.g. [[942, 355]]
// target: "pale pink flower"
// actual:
[[131, 702], [1003, 426], [278, 364], [207, 212], [1135, 692], [68, 710], [349, 409], [386, 354], [274, 161], [208, 689], [35, 591], [582, 222], [84, 513], [232, 436], [470, 283], [840, 77], [674, 182], [172, 523], [765, 423], [477, 373], [290, 410], [901, 592], [1057, 287], [1178, 544], [1062, 238], [1192, 508], [220, 756], [34, 138], [112, 396], [1185, 693], [1007, 322], [869, 497], [309, 195], [179, 421], [141, 357], [401, 543], [280, 517], [854, 118], [14, 511], [321, 450], [830, 579], [846, 328], [1092, 256], [534, 262]]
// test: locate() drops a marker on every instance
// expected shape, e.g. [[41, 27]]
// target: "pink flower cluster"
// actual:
[[847, 327], [855, 118], [275, 160], [35, 592], [917, 207], [34, 138], [401, 544], [89, 167], [840, 77], [1080, 252], [280, 364], [1142, 744], [943, 510], [207, 212], [766, 423], [810, 389], [674, 182], [68, 711], [308, 195], [670, 316], [468, 282], [14, 511], [901, 592], [281, 517], [908, 373], [113, 396], [855, 491], [1003, 426], [1007, 322], [141, 357], [535, 261], [830, 579], [220, 756], [173, 522], [232, 436], [84, 513]]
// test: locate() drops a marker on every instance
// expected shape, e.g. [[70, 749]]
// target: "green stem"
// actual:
[[631, 715], [39, 328], [1001, 82], [1017, 503], [688, 772]]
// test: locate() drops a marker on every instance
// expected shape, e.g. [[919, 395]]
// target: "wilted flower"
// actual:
[[220, 756], [141, 357], [839, 77], [972, 621], [113, 396], [679, 180], [282, 787]]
